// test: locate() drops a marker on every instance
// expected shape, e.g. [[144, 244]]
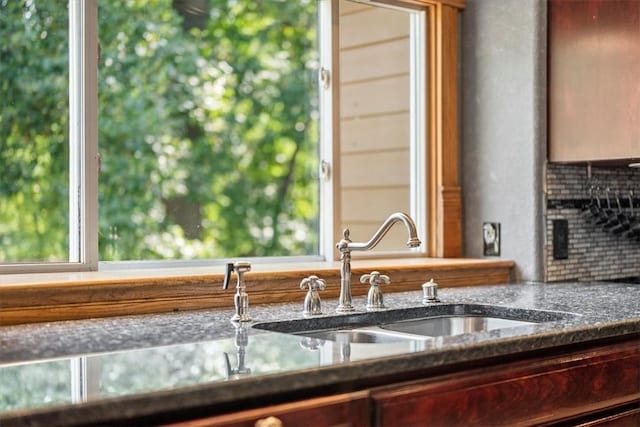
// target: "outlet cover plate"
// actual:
[[491, 238]]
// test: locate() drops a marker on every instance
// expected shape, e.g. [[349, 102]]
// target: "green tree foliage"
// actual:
[[208, 128], [33, 131]]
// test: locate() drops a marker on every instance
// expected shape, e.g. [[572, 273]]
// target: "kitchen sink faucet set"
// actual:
[[312, 305]]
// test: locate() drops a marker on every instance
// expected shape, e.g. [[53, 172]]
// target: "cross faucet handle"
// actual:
[[312, 303], [374, 297], [375, 278], [313, 282]]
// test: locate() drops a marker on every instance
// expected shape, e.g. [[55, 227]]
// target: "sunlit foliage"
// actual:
[[208, 129]]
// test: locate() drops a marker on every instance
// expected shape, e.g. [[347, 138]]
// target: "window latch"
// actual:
[[325, 170], [325, 78]]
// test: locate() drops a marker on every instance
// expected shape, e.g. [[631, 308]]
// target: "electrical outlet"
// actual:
[[491, 238], [560, 239]]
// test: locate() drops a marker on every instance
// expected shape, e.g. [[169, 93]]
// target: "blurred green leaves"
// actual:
[[208, 133]]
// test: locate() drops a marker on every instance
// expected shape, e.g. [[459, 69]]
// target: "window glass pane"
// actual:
[[208, 129], [377, 135], [35, 385], [34, 147]]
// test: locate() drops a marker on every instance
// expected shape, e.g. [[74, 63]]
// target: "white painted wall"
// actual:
[[503, 120]]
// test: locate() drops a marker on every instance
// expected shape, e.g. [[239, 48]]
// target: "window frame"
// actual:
[[441, 210], [83, 143]]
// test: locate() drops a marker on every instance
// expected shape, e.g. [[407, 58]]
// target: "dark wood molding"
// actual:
[[540, 391]]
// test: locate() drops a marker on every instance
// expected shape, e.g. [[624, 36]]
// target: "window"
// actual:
[[34, 135], [212, 126], [381, 62]]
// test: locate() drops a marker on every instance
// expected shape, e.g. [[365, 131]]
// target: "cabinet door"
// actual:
[[345, 410], [534, 392], [594, 88]]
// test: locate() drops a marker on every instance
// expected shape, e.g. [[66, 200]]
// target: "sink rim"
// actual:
[[357, 320], [381, 334]]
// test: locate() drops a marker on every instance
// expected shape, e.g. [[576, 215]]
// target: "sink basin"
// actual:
[[417, 323], [453, 325]]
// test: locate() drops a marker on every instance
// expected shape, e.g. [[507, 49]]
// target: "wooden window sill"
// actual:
[[26, 298]]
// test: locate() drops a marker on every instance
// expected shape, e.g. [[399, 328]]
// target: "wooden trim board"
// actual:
[[86, 295]]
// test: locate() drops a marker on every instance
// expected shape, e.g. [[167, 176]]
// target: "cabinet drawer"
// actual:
[[344, 410], [630, 418], [540, 391]]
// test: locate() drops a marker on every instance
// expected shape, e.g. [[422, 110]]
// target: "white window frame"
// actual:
[[83, 145], [84, 157]]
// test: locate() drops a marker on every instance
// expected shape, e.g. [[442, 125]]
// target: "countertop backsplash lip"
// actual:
[[72, 296], [604, 311]]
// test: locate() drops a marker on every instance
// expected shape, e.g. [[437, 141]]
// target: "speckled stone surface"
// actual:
[[282, 363]]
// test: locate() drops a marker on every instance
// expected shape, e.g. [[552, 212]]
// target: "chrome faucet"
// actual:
[[345, 246], [241, 298]]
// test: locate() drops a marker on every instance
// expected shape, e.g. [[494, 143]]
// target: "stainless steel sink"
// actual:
[[453, 325], [417, 323]]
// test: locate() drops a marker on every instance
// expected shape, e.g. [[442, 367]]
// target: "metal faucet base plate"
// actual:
[[345, 308]]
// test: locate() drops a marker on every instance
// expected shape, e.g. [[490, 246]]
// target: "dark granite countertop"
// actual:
[[100, 370]]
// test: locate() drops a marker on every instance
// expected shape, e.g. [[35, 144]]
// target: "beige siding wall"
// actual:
[[374, 110]]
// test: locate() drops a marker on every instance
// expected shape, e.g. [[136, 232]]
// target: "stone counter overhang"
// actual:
[[605, 311]]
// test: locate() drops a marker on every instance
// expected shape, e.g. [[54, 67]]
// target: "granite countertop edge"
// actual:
[[595, 322]]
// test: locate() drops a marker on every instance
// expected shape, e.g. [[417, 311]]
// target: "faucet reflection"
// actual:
[[345, 246], [242, 341]]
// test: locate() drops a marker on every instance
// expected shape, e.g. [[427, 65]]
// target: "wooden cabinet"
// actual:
[[532, 392], [599, 386], [344, 410], [627, 418], [594, 89]]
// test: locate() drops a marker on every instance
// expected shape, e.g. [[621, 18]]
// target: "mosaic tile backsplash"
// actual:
[[588, 244]]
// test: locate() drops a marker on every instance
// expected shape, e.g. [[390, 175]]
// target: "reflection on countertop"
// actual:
[[142, 364]]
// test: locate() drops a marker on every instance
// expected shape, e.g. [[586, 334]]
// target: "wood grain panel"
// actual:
[[375, 125], [450, 220], [375, 61], [345, 410], [374, 205], [525, 393], [382, 24], [375, 133], [375, 169], [629, 418], [446, 213], [421, 4], [347, 7], [375, 97]]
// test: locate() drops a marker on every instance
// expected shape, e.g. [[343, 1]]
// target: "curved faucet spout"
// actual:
[[413, 241], [345, 246]]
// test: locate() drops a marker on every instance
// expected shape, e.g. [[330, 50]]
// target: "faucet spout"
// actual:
[[413, 241], [345, 246]]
